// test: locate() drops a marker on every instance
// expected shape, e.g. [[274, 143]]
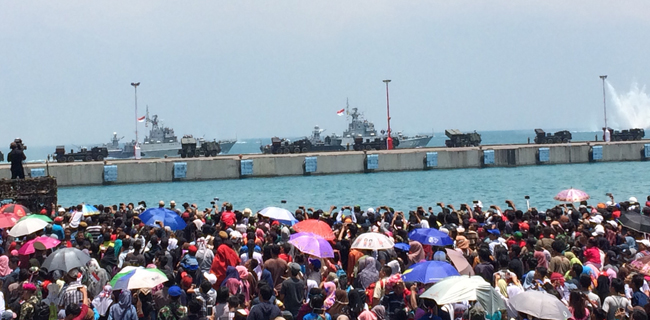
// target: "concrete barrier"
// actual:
[[229, 167]]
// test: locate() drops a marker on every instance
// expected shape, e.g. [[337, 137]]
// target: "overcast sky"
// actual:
[[263, 68]]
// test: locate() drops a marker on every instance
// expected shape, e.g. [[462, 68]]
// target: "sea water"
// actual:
[[401, 190]]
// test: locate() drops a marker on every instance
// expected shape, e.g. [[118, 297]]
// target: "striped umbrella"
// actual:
[[17, 209], [36, 216], [137, 278], [571, 195]]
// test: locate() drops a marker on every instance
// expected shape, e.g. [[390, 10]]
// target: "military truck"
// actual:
[[459, 139], [373, 144], [542, 137], [94, 154], [191, 147], [626, 135]]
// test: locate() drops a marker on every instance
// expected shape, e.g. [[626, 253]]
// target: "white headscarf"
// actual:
[[104, 300]]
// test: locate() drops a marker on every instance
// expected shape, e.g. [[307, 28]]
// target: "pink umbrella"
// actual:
[[312, 244], [571, 195], [28, 247]]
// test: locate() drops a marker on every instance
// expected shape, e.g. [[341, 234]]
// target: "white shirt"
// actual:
[[76, 219]]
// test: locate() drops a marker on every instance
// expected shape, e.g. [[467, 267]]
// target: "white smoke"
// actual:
[[629, 110]]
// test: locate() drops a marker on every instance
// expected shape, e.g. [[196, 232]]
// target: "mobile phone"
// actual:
[[283, 201], [527, 197], [212, 202], [439, 204], [216, 199], [475, 201], [463, 206]]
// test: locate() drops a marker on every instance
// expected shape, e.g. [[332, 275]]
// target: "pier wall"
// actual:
[[236, 167]]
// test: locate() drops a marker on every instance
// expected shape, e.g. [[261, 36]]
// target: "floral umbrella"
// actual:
[[571, 195]]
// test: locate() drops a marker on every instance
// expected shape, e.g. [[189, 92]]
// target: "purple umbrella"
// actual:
[[312, 244]]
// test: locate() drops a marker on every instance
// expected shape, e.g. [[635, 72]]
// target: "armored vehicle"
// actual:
[[191, 147], [312, 144], [542, 137], [373, 144], [95, 153], [459, 139], [626, 135]]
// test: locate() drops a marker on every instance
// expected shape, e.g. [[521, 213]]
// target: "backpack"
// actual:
[[41, 311], [619, 312]]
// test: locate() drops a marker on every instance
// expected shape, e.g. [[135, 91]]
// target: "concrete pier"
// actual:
[[320, 163]]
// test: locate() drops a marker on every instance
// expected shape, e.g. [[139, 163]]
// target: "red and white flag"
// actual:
[[141, 119], [340, 112]]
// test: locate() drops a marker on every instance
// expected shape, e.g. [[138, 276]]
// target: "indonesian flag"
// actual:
[[141, 119], [340, 112]]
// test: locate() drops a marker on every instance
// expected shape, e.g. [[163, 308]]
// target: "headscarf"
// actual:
[[117, 247], [259, 236], [109, 261], [557, 276], [341, 302], [572, 258], [330, 293], [367, 315], [267, 277], [243, 275], [232, 280], [379, 311], [416, 252], [172, 244], [104, 300], [369, 273], [394, 266], [503, 287], [4, 266], [123, 305]]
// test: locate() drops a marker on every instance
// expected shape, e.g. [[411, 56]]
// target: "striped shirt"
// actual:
[[95, 232]]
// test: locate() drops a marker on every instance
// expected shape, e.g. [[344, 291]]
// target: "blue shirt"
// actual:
[[314, 316], [639, 299], [58, 230]]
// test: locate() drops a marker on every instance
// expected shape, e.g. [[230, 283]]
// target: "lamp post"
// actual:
[[389, 139], [136, 148], [606, 136]]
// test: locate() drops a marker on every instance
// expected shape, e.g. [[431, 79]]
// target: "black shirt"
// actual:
[[293, 291]]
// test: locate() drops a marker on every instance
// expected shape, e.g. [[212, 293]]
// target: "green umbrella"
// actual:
[[37, 216], [137, 278]]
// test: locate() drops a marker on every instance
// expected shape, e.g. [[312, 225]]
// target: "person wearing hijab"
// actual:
[[117, 247], [232, 280], [123, 309], [416, 252], [224, 257], [330, 294], [245, 282], [103, 301], [368, 274], [341, 305], [109, 261], [376, 313]]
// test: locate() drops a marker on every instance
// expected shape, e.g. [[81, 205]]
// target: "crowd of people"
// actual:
[[231, 264]]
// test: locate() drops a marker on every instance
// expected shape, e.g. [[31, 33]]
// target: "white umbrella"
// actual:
[[27, 226], [540, 305], [465, 288], [281, 214], [373, 241]]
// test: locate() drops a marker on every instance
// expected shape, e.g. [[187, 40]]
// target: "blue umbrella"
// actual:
[[429, 272], [402, 246], [430, 236], [169, 218]]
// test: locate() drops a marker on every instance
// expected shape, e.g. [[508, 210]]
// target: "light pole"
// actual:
[[136, 148], [389, 139], [606, 136]]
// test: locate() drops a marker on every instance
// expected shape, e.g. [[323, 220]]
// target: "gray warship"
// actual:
[[360, 127]]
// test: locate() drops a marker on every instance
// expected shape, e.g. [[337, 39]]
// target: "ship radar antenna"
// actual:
[[347, 109], [146, 122]]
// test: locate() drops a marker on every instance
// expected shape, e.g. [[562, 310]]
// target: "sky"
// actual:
[[251, 69]]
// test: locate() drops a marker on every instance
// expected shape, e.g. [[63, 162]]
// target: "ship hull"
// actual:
[[411, 143], [226, 146]]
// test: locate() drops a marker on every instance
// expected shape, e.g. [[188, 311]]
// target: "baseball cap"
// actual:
[[192, 249], [294, 267], [174, 291], [495, 232], [210, 277]]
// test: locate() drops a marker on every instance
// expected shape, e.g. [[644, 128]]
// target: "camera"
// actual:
[[527, 197], [19, 144]]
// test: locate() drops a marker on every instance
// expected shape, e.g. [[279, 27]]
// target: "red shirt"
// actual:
[[228, 217]]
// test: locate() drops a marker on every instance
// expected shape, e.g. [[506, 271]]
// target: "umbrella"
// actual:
[[402, 246], [66, 259], [316, 227], [641, 265], [18, 209], [8, 220], [312, 244], [137, 278], [372, 241], [27, 226], [460, 262], [283, 215], [461, 288], [37, 216], [169, 218], [540, 305], [28, 247], [89, 210], [571, 195], [430, 236], [635, 221], [429, 272]]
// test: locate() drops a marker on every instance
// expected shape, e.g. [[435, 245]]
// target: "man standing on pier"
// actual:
[[16, 156]]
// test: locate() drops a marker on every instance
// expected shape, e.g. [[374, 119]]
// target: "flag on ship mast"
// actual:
[[141, 119], [340, 112]]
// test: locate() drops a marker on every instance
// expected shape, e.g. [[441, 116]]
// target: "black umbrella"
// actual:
[[635, 221], [66, 259]]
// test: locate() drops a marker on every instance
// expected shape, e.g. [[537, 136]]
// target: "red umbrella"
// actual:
[[16, 209], [316, 227], [8, 220]]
